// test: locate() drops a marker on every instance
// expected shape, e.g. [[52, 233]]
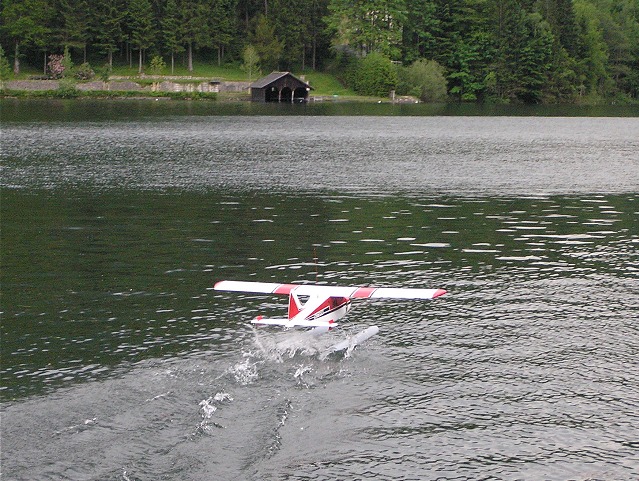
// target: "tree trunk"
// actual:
[[16, 60], [314, 51], [190, 60], [140, 63], [110, 58], [172, 62], [44, 72]]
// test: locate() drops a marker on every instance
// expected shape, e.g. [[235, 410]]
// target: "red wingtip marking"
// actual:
[[363, 292], [439, 292], [259, 318], [284, 288]]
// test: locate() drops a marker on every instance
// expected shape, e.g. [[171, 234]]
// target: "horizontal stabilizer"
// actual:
[[289, 323]]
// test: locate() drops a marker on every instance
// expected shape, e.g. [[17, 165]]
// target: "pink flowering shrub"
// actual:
[[55, 67]]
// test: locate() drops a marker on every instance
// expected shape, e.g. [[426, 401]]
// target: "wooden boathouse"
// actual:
[[280, 87]]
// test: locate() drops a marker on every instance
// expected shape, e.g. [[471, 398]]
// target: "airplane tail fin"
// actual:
[[293, 306]]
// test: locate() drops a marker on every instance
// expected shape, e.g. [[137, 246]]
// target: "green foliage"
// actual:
[[420, 30], [268, 47], [491, 50], [67, 89], [67, 64], [105, 72], [251, 62], [26, 23], [425, 80], [75, 19], [142, 27], [171, 31], [110, 18], [464, 84], [84, 72], [157, 65], [375, 75], [368, 25], [5, 68]]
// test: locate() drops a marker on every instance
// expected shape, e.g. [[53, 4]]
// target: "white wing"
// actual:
[[315, 290]]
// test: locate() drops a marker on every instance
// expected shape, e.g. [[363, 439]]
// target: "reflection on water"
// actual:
[[117, 352], [344, 155]]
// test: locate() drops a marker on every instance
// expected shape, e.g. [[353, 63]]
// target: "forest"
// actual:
[[528, 51]]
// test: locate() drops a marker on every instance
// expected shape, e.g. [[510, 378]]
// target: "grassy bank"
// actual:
[[323, 84], [66, 93]]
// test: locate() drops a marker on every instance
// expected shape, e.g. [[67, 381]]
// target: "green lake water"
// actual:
[[119, 361]]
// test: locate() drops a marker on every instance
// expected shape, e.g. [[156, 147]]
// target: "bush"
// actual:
[[375, 75], [105, 72], [67, 63], [5, 69], [55, 67], [344, 66], [84, 72], [425, 79], [157, 66], [66, 88]]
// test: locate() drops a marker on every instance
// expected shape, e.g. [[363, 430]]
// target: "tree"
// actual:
[[534, 60], [108, 16], [5, 68], [222, 25], [595, 50], [489, 49], [67, 64], [510, 33], [419, 30], [317, 11], [426, 80], [251, 61], [157, 65], [25, 23], [375, 75], [140, 20], [195, 27], [560, 14], [74, 30], [368, 25], [292, 34], [269, 48], [171, 31], [463, 80]]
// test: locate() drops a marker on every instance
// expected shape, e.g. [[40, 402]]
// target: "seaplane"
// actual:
[[319, 306]]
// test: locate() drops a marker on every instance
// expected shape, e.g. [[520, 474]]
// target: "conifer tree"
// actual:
[[26, 23], [140, 20], [108, 16], [195, 27], [171, 31], [74, 30]]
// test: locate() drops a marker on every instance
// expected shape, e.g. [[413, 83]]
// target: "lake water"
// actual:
[[120, 362]]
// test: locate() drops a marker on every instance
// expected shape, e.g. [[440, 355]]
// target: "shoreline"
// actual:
[[192, 88], [216, 90]]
